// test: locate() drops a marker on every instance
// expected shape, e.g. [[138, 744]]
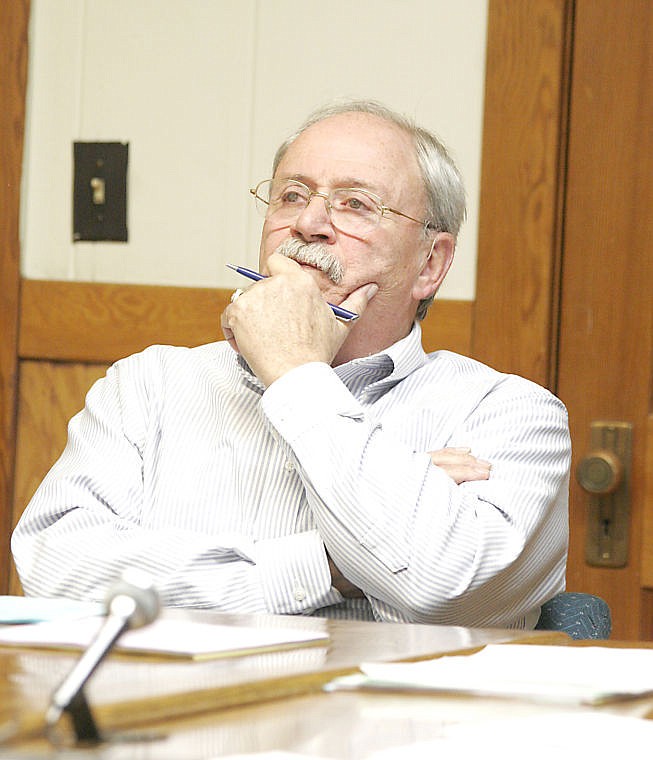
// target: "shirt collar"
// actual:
[[381, 371], [378, 372]]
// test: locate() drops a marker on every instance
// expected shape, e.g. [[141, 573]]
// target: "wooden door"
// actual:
[[14, 15], [605, 345], [565, 274]]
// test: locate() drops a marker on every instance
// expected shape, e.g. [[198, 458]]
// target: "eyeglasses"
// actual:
[[351, 210]]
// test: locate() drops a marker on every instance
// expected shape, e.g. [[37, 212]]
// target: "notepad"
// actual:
[[35, 609], [166, 637], [564, 674]]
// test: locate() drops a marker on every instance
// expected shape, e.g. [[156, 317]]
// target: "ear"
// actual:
[[435, 267]]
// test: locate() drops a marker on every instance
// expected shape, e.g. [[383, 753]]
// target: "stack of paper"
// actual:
[[170, 637], [566, 674]]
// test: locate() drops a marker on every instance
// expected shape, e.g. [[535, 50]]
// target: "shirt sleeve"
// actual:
[[421, 547], [85, 524]]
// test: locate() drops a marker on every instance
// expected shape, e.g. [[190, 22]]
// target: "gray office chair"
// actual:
[[581, 616]]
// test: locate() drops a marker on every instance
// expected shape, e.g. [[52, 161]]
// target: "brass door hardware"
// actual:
[[605, 473]]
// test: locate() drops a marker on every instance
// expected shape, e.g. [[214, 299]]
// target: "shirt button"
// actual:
[[300, 594], [289, 465]]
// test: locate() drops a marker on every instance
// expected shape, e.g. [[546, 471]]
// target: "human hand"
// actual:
[[344, 586], [460, 465], [283, 321]]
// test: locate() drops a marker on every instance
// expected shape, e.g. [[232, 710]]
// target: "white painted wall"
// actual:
[[204, 91]]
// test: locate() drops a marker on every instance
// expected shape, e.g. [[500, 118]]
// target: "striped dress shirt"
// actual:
[[231, 495]]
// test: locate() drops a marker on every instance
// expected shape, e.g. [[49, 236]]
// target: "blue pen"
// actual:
[[344, 314]]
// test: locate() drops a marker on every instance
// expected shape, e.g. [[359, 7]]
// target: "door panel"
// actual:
[[647, 531], [14, 16], [566, 241], [604, 357], [526, 81], [50, 393]]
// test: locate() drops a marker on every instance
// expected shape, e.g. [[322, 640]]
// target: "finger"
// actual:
[[466, 475], [460, 466], [452, 456], [455, 454], [277, 264], [472, 466], [358, 299], [461, 474], [228, 332]]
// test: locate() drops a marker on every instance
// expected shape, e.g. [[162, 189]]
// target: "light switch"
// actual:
[[100, 191]]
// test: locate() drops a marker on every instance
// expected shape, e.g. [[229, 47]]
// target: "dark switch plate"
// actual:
[[100, 191]]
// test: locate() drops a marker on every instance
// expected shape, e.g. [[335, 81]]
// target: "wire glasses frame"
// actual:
[[350, 209]]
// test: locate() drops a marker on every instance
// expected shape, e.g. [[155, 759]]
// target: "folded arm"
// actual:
[[420, 546]]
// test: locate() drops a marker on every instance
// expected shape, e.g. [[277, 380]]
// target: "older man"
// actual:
[[310, 464]]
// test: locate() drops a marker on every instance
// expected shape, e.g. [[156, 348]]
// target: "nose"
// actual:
[[313, 224]]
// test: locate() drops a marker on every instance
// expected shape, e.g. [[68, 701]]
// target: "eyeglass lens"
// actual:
[[350, 209]]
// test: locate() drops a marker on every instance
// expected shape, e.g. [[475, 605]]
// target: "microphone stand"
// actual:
[[81, 715], [132, 603], [69, 697]]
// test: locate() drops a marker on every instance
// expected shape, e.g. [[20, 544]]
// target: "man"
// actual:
[[308, 464]]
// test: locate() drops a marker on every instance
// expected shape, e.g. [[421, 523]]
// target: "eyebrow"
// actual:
[[355, 182]]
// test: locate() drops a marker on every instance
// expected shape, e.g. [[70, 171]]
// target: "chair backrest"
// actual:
[[581, 616]]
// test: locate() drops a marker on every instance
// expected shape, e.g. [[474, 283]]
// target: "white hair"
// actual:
[[445, 191]]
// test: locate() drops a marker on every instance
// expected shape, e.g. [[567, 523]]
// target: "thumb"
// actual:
[[358, 299]]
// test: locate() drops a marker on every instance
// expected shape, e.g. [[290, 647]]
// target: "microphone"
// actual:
[[132, 602]]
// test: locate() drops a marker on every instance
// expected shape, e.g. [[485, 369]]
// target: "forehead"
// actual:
[[354, 147]]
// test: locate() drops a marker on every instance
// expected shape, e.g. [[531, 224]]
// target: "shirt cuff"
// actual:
[[294, 573], [306, 396]]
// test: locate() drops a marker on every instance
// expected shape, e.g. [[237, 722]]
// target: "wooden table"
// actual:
[[255, 703]]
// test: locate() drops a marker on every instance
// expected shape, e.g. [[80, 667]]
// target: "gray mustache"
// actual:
[[314, 254]]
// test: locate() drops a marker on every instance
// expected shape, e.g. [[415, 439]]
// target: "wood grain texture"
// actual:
[[14, 15], [50, 394], [92, 322], [647, 525], [523, 138], [606, 328], [449, 326]]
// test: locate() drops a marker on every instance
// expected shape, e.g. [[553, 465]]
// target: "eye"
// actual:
[[354, 201], [293, 195]]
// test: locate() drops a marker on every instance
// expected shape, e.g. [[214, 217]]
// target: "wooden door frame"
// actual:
[[528, 45], [14, 18], [527, 89]]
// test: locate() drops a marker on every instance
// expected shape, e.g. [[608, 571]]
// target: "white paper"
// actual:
[[575, 675], [559, 735], [181, 638], [35, 609]]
